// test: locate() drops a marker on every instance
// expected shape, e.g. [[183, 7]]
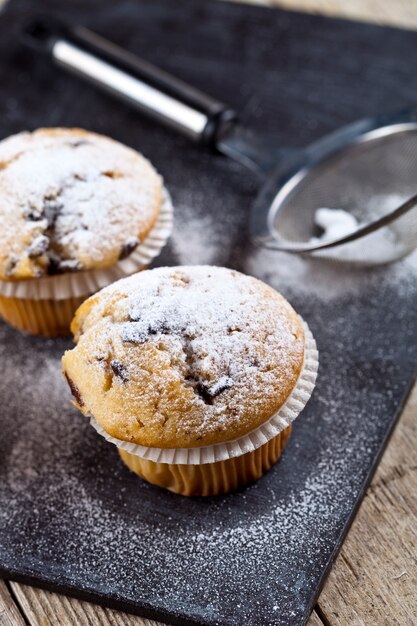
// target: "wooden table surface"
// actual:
[[374, 580]]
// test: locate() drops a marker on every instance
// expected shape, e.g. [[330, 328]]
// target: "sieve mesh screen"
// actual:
[[369, 179]]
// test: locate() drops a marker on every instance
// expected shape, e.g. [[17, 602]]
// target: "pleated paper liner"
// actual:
[[210, 479], [49, 318], [46, 306], [222, 467]]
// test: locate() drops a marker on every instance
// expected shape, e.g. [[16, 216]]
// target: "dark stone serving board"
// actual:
[[73, 519]]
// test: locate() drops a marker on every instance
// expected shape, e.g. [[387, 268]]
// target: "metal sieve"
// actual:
[[368, 168]]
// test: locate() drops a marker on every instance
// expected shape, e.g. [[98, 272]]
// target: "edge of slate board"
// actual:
[[149, 612]]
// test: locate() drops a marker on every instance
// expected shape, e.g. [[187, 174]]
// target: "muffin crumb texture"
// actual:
[[71, 200], [183, 357]]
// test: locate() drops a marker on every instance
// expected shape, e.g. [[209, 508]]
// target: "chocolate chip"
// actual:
[[52, 209], [60, 266], [75, 391], [70, 265], [120, 370], [134, 333], [159, 327], [209, 392], [135, 314], [203, 392], [128, 247], [11, 264], [189, 332], [38, 247], [54, 260], [78, 143], [34, 215]]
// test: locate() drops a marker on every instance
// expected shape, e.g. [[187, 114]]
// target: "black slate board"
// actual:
[[73, 518]]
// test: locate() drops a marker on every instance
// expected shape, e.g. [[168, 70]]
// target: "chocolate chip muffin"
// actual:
[[187, 359], [71, 202]]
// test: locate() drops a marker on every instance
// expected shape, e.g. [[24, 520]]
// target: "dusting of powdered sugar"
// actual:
[[200, 237], [234, 345], [356, 267], [71, 200], [73, 513], [190, 244], [326, 279]]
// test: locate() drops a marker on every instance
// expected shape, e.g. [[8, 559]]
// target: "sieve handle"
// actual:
[[149, 89]]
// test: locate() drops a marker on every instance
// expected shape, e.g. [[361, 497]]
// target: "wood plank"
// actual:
[[401, 13], [315, 620], [9, 612], [43, 608], [374, 580]]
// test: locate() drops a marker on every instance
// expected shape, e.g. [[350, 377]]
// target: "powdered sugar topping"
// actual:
[[71, 200], [232, 345]]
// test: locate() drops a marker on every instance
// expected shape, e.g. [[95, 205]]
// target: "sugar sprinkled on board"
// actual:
[[69, 503], [57, 477], [198, 238], [325, 279]]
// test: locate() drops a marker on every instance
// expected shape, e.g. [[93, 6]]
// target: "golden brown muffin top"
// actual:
[[71, 200], [184, 356]]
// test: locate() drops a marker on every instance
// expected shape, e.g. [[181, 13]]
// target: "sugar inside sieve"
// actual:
[[374, 179]]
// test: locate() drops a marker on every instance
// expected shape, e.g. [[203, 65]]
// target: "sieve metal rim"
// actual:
[[316, 154]]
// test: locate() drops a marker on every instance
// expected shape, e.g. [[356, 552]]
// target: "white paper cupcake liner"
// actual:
[[85, 283], [247, 443]]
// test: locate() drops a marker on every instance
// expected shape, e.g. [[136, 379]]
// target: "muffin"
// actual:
[[195, 373], [77, 211]]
